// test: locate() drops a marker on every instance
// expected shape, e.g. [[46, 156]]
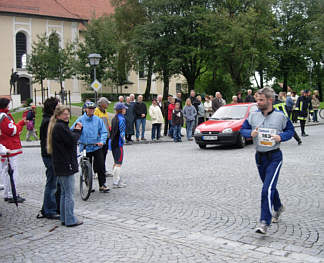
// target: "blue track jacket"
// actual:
[[93, 131]]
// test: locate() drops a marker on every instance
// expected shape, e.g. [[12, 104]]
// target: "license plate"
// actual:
[[210, 138]]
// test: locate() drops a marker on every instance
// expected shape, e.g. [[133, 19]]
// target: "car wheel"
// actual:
[[241, 141], [202, 146]]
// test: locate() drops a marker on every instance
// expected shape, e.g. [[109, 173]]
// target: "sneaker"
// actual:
[[276, 214], [304, 134], [120, 185], [1, 187], [104, 189], [137, 139], [78, 223], [143, 139], [262, 228], [300, 142]]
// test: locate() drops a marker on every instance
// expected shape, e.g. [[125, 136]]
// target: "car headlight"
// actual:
[[197, 131], [227, 130]]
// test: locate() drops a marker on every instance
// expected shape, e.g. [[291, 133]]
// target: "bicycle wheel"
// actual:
[[321, 113], [85, 180]]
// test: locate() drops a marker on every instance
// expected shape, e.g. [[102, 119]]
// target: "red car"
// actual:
[[224, 126]]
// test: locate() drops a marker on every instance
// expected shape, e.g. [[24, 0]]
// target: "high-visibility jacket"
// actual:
[[303, 106], [281, 107]]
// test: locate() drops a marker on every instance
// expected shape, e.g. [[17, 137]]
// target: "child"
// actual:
[[177, 122]]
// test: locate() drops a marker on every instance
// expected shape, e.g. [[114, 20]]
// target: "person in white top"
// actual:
[[157, 120], [208, 107]]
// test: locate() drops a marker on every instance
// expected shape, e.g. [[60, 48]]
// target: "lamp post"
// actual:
[[94, 60], [310, 68]]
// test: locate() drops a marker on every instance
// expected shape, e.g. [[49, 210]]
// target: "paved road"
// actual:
[[182, 204]]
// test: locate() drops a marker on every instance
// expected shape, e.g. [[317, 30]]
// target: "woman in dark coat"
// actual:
[[130, 119], [62, 145]]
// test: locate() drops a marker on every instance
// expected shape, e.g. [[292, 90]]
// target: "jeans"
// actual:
[[67, 202], [170, 129], [49, 203], [315, 115], [189, 126], [177, 133], [156, 129], [138, 122]]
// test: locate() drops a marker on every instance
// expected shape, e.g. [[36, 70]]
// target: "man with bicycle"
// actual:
[[94, 135]]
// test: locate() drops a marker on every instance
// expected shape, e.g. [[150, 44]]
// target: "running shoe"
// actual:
[[276, 214], [262, 228]]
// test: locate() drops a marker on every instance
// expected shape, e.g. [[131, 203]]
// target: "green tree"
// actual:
[[61, 61], [38, 63]]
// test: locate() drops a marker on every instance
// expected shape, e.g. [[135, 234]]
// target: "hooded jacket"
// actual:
[[10, 132]]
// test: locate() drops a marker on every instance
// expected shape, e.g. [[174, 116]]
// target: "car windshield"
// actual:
[[230, 113]]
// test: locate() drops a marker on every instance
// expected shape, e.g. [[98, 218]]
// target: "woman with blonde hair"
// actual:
[[190, 113], [62, 146]]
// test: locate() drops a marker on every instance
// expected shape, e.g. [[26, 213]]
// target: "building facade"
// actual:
[[21, 22]]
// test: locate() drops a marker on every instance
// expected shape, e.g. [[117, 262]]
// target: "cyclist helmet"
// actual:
[[90, 105]]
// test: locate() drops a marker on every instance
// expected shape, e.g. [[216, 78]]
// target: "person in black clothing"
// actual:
[[165, 115], [195, 102], [62, 145], [179, 99], [304, 107], [239, 97], [249, 96], [177, 122], [51, 202], [140, 111]]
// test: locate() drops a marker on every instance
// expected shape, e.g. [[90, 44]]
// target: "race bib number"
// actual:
[[265, 137]]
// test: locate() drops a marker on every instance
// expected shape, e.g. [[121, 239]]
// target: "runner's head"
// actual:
[[120, 108], [4, 103], [264, 98]]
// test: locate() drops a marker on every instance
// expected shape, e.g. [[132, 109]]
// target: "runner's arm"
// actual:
[[246, 129], [288, 132]]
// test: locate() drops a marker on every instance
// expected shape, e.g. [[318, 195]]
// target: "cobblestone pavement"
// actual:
[[182, 204]]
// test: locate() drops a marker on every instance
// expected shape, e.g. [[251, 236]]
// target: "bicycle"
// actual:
[[321, 113], [86, 174]]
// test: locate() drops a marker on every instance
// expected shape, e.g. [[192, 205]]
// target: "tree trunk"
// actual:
[[261, 78], [42, 91], [166, 80], [191, 84], [62, 92], [285, 83], [319, 81], [148, 83]]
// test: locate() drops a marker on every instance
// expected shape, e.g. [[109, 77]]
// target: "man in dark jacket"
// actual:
[[164, 110], [51, 201], [217, 102], [140, 111], [304, 107], [177, 122], [249, 96]]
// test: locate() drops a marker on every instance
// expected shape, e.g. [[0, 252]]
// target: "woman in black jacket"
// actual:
[[50, 208], [62, 145]]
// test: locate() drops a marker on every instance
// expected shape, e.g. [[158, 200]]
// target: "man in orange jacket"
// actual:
[[9, 138]]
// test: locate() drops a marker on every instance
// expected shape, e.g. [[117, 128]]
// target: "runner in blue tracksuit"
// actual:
[[268, 127]]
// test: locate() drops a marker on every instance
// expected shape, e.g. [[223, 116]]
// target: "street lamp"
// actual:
[[310, 68], [94, 60]]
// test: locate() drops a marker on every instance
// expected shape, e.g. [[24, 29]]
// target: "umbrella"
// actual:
[[12, 182]]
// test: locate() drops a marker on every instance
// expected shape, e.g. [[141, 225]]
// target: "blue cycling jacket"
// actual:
[[93, 131]]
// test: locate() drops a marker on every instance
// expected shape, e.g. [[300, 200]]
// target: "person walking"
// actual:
[[116, 142], [62, 145], [157, 120], [130, 118], [268, 128], [189, 113], [101, 112], [94, 132], [31, 131], [177, 122], [289, 105], [52, 194], [9, 138], [140, 111], [303, 106]]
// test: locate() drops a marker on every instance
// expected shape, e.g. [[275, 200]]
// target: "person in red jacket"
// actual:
[[9, 138], [170, 110]]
